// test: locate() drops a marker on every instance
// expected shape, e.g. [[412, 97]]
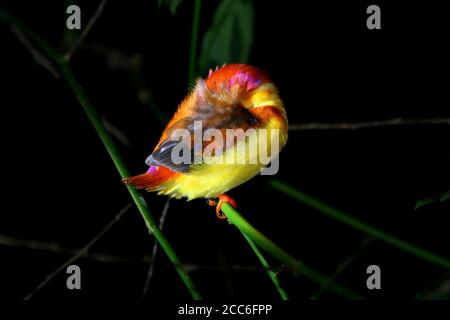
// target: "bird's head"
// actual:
[[239, 84]]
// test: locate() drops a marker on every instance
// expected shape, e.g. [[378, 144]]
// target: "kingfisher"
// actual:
[[233, 98]]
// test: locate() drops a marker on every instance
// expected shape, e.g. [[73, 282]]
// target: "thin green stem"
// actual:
[[96, 122], [235, 218], [194, 40], [296, 266], [359, 225], [273, 275]]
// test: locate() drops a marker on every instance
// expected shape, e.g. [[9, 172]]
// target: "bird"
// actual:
[[233, 98]]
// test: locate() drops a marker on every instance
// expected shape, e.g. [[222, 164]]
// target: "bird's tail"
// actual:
[[152, 180]]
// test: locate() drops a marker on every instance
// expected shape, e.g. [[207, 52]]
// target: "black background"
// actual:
[[59, 184]]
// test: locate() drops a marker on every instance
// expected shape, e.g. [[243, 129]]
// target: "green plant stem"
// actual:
[[296, 266], [273, 275], [359, 225], [96, 122], [194, 40], [235, 218]]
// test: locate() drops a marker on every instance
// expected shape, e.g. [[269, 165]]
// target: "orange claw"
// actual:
[[222, 199]]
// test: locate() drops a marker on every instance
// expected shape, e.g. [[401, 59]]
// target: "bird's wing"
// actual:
[[190, 149]]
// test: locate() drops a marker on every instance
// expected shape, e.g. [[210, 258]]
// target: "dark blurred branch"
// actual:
[[108, 143], [162, 219], [343, 266], [44, 62], [366, 124], [132, 65], [86, 30], [80, 252], [194, 40], [35, 53], [54, 247], [116, 132], [444, 196]]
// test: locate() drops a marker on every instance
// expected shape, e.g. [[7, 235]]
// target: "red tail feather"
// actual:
[[152, 179]]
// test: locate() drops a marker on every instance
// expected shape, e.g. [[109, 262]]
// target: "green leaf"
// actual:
[[230, 37], [445, 196], [172, 5]]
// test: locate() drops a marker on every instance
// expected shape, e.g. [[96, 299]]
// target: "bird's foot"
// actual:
[[222, 199]]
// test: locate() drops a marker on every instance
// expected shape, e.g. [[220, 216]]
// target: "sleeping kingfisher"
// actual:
[[236, 97]]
